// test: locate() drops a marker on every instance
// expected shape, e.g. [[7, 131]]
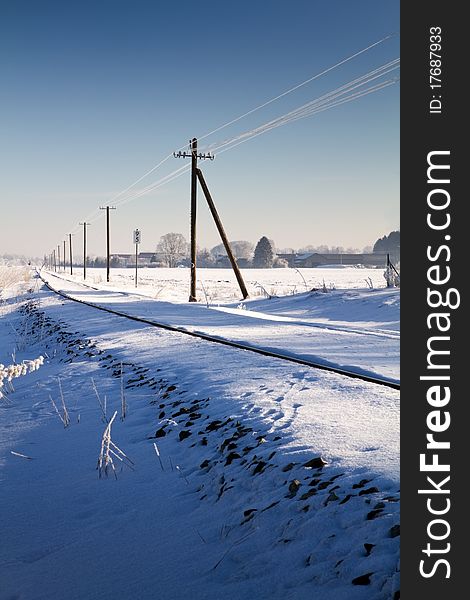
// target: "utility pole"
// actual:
[[194, 156], [222, 233], [70, 253], [55, 263], [84, 248], [107, 209], [58, 255], [65, 242]]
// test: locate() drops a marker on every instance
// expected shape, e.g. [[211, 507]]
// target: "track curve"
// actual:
[[377, 380]]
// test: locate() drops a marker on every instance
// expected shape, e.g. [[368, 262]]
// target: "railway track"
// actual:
[[377, 380]]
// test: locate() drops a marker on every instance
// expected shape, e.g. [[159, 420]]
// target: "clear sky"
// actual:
[[95, 93]]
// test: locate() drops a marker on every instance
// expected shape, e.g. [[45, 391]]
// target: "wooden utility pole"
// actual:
[[194, 156], [55, 262], [84, 248], [58, 255], [70, 253], [107, 208], [64, 254], [222, 233]]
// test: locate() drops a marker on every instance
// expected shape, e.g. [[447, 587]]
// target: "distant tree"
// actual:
[[240, 249], [173, 247], [389, 243], [205, 258], [280, 263], [98, 262], [115, 262], [264, 254]]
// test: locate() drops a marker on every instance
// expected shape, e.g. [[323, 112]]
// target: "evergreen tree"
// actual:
[[389, 243], [264, 254]]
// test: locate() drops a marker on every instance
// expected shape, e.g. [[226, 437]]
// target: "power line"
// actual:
[[317, 105], [253, 110], [299, 85]]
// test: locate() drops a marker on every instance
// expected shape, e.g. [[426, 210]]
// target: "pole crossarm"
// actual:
[[200, 155]]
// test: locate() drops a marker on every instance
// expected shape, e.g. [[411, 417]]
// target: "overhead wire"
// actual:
[[330, 100], [126, 195], [259, 107], [324, 102], [362, 80]]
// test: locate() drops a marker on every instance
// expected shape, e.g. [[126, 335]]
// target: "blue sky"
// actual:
[[94, 94]]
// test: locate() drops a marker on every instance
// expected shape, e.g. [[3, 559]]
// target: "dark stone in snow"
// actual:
[[371, 490], [160, 433], [308, 494], [249, 511], [346, 498], [368, 548], [362, 579], [184, 434], [161, 415], [294, 487], [362, 483], [288, 467], [213, 425], [373, 514], [331, 498], [259, 467], [315, 463], [204, 464], [231, 457], [395, 531]]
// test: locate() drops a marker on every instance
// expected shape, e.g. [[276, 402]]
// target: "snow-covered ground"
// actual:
[[220, 285], [357, 329], [235, 509]]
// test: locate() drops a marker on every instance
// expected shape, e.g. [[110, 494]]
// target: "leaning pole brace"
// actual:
[[222, 234]]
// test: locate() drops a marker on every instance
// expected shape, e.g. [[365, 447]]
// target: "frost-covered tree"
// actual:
[[240, 249], [389, 243], [173, 247], [205, 258], [264, 254]]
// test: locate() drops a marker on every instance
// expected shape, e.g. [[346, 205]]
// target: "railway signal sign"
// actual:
[[137, 238]]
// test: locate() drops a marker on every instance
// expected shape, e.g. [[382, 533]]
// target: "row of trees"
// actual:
[[174, 249]]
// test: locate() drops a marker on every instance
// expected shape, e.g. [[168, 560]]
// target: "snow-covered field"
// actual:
[[238, 504], [220, 285]]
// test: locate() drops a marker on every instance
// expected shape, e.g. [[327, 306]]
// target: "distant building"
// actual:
[[144, 259], [289, 258], [222, 261], [314, 259]]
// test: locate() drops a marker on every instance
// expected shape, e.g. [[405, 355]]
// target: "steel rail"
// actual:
[[384, 381]]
